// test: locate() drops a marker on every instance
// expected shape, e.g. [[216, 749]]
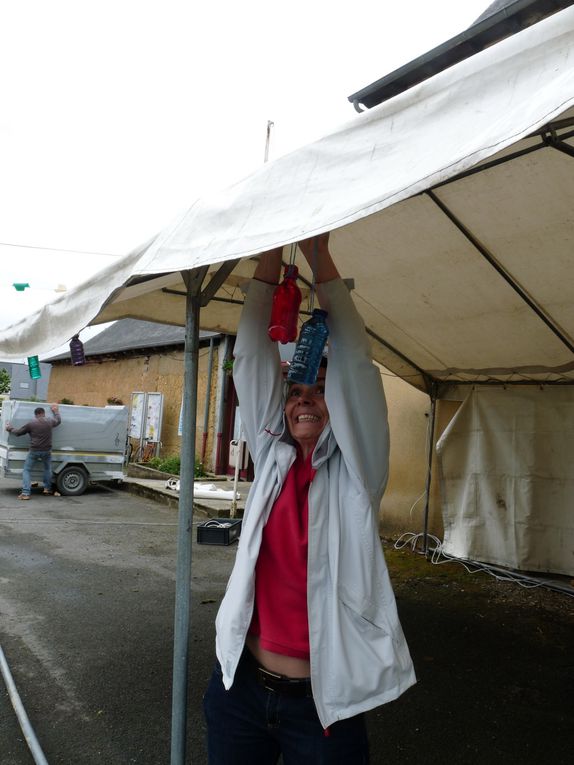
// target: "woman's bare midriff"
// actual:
[[276, 662]]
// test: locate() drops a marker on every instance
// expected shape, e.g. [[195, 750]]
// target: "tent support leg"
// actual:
[[207, 402], [433, 395], [182, 619]]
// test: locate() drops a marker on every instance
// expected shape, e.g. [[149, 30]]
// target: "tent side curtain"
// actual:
[[506, 480]]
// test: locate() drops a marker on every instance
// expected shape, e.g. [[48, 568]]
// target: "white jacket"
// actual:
[[358, 653]]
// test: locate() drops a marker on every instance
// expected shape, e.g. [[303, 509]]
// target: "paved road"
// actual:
[[86, 612]]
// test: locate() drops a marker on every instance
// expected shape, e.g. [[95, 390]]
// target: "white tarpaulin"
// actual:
[[506, 478], [450, 205]]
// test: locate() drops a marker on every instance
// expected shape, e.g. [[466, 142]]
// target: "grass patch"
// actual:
[[172, 465]]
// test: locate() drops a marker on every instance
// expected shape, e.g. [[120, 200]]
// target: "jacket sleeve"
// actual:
[[21, 431], [257, 369], [354, 391], [55, 420]]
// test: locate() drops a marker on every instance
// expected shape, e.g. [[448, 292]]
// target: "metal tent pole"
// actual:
[[182, 619], [433, 395], [207, 403]]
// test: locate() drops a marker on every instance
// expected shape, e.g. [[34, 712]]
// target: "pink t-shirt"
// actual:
[[280, 613]]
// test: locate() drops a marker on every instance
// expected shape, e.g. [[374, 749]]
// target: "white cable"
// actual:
[[438, 557], [415, 503], [25, 725]]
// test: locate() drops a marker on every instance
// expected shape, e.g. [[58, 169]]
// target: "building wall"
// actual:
[[97, 381], [21, 384], [403, 505], [408, 425]]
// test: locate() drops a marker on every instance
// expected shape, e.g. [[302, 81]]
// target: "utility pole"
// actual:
[[268, 139]]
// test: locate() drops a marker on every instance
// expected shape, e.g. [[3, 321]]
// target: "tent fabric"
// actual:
[[507, 488], [450, 206]]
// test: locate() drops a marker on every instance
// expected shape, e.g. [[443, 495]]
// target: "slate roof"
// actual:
[[134, 335]]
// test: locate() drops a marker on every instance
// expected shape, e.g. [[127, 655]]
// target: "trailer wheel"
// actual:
[[72, 481]]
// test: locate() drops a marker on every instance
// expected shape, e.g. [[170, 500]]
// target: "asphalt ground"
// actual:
[[86, 624], [86, 611]]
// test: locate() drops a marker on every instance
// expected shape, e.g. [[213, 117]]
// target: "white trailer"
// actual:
[[89, 445]]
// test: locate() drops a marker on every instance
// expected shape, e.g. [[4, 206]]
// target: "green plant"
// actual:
[[172, 465], [4, 381], [228, 366], [66, 401], [114, 401]]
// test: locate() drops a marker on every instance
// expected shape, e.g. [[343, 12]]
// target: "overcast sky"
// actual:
[[117, 114]]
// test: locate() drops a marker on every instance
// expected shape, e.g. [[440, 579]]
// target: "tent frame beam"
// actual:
[[548, 139], [450, 383], [489, 257], [180, 293], [428, 380], [560, 145], [217, 280], [425, 377]]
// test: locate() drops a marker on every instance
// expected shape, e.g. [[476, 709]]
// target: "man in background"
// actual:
[[40, 431]]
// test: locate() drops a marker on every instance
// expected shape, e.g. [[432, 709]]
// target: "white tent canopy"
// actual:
[[450, 206]]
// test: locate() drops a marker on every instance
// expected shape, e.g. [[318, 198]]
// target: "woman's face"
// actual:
[[306, 412]]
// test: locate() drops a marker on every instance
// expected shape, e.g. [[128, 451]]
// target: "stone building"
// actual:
[[139, 356], [134, 356]]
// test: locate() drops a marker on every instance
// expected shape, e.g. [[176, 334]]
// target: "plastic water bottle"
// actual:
[[34, 367], [309, 349], [77, 351], [285, 309]]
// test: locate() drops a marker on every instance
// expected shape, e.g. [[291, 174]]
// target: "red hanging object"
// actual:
[[285, 309]]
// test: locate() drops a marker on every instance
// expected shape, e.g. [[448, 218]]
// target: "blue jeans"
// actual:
[[249, 725], [32, 457]]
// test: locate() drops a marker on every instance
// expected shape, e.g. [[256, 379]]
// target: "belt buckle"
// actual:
[[279, 684], [268, 678]]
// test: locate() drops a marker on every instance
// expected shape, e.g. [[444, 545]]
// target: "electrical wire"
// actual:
[[59, 249], [438, 557], [415, 503]]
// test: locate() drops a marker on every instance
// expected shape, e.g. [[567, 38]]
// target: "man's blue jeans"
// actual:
[[249, 725], [46, 459]]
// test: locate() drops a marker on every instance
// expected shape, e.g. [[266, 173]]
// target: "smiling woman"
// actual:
[[301, 627], [306, 414]]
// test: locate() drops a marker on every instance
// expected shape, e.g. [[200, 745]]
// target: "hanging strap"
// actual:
[[313, 274]]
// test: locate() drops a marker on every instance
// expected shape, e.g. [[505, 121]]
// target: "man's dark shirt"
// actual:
[[40, 430]]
